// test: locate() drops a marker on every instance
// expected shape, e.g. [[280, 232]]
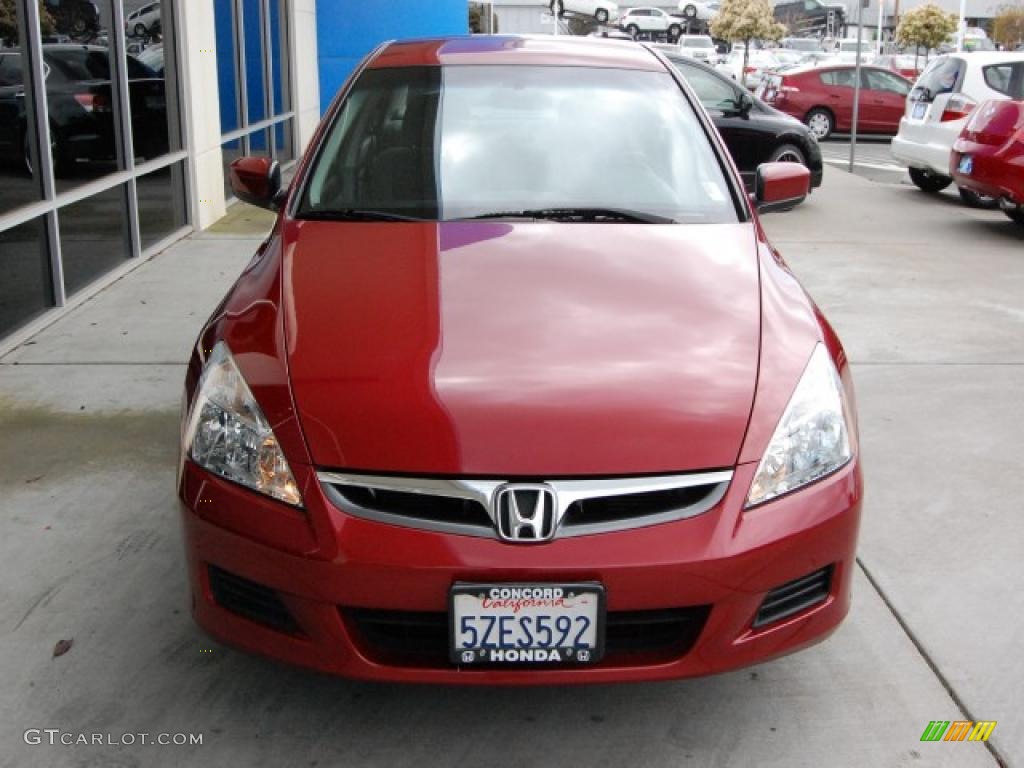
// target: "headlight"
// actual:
[[228, 434], [811, 439]]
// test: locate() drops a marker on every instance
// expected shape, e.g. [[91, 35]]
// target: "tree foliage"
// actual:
[[9, 22], [741, 21], [1008, 25], [926, 27]]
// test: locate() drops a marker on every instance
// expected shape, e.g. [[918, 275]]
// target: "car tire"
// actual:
[[974, 200], [674, 32], [787, 153], [140, 30], [929, 182], [690, 11], [1016, 215], [633, 30], [601, 16], [821, 122]]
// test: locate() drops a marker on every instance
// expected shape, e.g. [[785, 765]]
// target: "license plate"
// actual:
[[919, 109], [510, 624], [966, 165]]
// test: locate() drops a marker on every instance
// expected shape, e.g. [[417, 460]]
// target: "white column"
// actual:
[[306, 68]]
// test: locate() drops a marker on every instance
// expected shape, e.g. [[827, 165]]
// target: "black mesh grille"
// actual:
[[794, 596], [442, 509], [409, 638], [251, 600], [610, 509]]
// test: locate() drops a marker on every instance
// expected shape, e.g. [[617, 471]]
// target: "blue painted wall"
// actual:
[[349, 29]]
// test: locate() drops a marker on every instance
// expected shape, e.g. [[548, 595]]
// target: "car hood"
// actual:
[[526, 349]]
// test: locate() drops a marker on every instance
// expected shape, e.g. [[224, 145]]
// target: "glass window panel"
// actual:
[[255, 89], [152, 122], [230, 151], [161, 204], [25, 288], [227, 56], [259, 143], [283, 142], [79, 92], [92, 237], [18, 184], [279, 52]]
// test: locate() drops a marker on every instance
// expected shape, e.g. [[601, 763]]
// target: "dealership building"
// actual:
[[118, 119]]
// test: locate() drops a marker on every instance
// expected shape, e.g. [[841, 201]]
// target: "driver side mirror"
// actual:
[[257, 181], [780, 186], [744, 104]]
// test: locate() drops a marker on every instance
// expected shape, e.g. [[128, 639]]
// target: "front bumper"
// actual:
[[325, 565]]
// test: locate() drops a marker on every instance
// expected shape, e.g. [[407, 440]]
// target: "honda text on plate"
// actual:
[[517, 391]]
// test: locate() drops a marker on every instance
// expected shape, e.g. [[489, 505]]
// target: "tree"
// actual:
[[925, 27], [1008, 26], [9, 22], [740, 21]]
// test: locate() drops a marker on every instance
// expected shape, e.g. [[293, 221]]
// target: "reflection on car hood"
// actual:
[[522, 348]]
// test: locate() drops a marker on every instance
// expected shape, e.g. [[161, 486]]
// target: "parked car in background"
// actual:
[[80, 106], [907, 65], [362, 486], [699, 47], [939, 105], [759, 62], [603, 11], [650, 20], [846, 51], [700, 11], [153, 57], [144, 21], [988, 157], [822, 97], [802, 44], [754, 132]]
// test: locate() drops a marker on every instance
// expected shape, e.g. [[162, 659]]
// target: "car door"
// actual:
[[743, 137], [837, 91], [883, 100]]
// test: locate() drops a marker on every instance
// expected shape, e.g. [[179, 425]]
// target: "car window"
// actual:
[[845, 78], [1006, 78], [10, 69], [444, 143], [883, 81], [713, 92], [698, 42], [942, 76]]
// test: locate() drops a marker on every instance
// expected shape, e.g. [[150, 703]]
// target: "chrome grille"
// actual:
[[469, 507]]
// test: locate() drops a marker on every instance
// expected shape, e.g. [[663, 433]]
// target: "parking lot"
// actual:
[[926, 295]]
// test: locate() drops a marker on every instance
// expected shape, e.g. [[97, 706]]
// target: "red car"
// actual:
[[493, 405], [988, 158], [902, 64], [822, 97]]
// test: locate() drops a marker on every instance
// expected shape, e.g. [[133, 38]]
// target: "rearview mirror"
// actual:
[[257, 181], [780, 186]]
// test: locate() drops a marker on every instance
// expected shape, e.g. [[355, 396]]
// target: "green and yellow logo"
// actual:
[[958, 730]]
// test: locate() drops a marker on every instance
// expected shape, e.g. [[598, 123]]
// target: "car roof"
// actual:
[[536, 50]]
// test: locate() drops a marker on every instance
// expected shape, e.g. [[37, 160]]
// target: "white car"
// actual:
[[699, 47], [637, 20], [759, 63], [846, 51], [140, 22], [938, 107], [603, 11], [701, 11]]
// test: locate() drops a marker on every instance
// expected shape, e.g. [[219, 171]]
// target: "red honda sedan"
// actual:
[[988, 158], [495, 404], [822, 97]]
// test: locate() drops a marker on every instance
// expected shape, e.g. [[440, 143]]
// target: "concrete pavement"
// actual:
[[926, 298]]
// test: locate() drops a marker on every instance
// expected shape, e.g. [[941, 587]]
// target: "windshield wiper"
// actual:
[[578, 214], [353, 214]]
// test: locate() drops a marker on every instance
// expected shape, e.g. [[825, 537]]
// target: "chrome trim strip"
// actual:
[[567, 492]]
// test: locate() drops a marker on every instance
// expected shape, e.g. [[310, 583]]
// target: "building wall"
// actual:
[[349, 29]]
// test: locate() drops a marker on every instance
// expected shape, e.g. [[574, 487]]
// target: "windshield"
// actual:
[[698, 42], [445, 143], [851, 47]]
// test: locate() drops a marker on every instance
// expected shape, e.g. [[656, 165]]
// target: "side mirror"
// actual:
[[257, 181], [780, 186], [744, 104]]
